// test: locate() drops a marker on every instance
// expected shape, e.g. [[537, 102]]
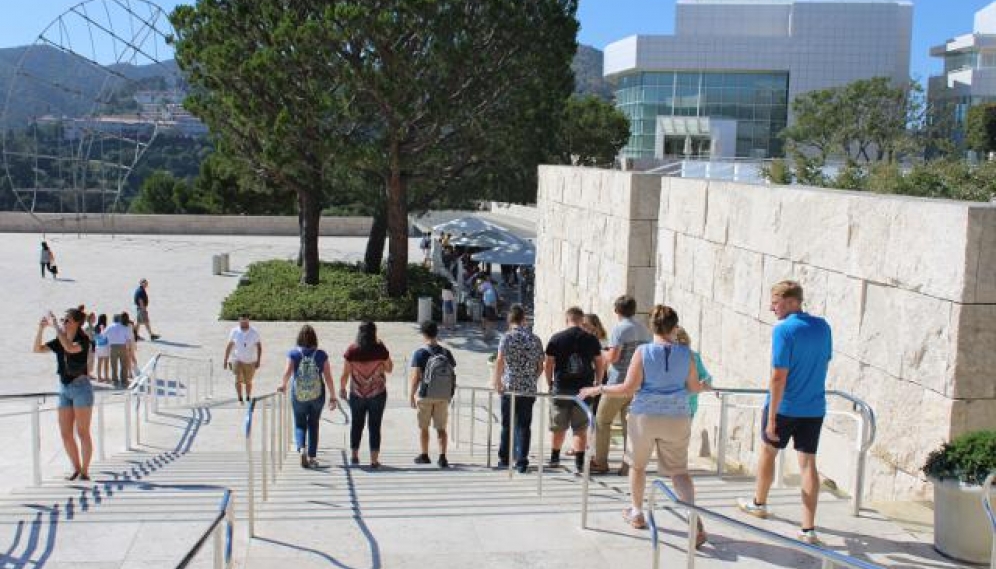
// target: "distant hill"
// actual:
[[588, 79], [54, 82]]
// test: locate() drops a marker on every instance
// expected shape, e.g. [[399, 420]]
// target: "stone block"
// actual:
[[745, 359], [775, 270], [814, 281], [927, 246], [923, 337], [972, 415], [641, 286], [709, 340], [569, 262], [974, 342], [844, 306], [738, 280], [689, 309], [666, 241], [812, 227], [645, 196], [686, 206], [902, 417], [684, 261], [641, 244], [980, 279], [704, 256], [881, 314], [719, 211]]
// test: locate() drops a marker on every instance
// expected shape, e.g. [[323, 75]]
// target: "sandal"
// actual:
[[636, 521], [73, 476], [701, 537], [354, 460], [375, 465]]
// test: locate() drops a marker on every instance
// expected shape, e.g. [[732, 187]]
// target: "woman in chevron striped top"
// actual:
[[367, 364]]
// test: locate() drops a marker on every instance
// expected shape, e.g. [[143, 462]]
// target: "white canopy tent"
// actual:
[[465, 226], [486, 239], [522, 253]]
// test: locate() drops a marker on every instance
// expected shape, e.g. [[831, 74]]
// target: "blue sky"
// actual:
[[602, 22]]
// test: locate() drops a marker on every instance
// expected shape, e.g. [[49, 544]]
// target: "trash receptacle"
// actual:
[[424, 308], [215, 264], [224, 263]]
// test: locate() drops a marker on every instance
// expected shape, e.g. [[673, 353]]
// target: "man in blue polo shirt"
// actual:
[[801, 349]]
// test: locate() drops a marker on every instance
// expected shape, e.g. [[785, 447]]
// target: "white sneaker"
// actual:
[[752, 508], [809, 536]]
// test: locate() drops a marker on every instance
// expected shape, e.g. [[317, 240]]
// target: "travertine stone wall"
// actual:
[[17, 222], [595, 241], [908, 285]]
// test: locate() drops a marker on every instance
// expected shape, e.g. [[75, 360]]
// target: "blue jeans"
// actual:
[[523, 428], [360, 408], [306, 417], [77, 394]]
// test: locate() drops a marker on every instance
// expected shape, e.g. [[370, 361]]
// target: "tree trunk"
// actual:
[[397, 227], [375, 243], [311, 214], [300, 230]]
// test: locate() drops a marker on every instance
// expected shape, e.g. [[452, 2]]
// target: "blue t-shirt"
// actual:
[[141, 295], [801, 343]]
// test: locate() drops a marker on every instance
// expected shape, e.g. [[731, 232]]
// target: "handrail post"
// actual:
[[219, 547], [693, 534], [859, 470], [724, 406], [138, 422], [586, 466], [153, 382], [490, 423], [473, 406], [655, 544], [281, 439], [127, 420], [101, 454], [262, 450], [457, 416], [36, 474], [542, 456], [273, 438], [511, 433], [250, 490]]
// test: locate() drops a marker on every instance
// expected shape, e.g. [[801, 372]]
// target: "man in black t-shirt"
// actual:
[[573, 360]]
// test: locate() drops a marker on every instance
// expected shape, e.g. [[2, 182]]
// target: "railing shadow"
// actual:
[[92, 496]]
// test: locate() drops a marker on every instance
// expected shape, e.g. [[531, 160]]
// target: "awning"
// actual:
[[486, 239], [523, 253], [464, 226]]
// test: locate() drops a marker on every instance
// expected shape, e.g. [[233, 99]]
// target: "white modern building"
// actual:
[[969, 68], [722, 85]]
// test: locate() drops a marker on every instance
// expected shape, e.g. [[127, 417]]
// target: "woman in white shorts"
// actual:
[[660, 377]]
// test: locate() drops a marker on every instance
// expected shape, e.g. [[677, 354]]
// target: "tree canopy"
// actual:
[[427, 98], [865, 121], [980, 128], [592, 133]]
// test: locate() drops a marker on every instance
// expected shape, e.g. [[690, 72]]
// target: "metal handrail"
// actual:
[[586, 470], [272, 446], [830, 558], [867, 432], [987, 503], [222, 543]]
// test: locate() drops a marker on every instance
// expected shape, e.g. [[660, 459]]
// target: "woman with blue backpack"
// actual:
[[312, 374]]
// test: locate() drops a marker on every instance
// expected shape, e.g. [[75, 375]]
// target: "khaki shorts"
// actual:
[[670, 435], [436, 411], [243, 371], [564, 414], [141, 315]]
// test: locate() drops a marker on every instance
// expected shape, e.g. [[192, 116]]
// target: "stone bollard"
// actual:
[[224, 263], [424, 309], [215, 264]]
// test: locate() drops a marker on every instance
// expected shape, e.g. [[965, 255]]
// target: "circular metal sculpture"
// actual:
[[85, 102]]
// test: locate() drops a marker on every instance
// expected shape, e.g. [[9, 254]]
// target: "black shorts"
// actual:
[[490, 313], [804, 431]]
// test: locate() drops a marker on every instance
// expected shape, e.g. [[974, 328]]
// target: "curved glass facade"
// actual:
[[757, 101]]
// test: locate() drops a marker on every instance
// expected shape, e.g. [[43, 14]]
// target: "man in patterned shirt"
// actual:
[[519, 364]]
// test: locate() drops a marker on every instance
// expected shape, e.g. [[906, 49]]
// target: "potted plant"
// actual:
[[957, 470]]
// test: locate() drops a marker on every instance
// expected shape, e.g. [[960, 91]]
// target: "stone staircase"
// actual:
[[146, 508]]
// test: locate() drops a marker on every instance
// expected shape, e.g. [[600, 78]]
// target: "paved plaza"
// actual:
[[146, 506]]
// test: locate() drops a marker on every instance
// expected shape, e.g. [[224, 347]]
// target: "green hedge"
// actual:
[[271, 291]]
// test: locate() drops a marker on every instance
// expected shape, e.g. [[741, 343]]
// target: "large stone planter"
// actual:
[[961, 528]]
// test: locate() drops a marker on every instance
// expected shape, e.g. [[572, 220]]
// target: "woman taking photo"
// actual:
[[660, 377], [367, 364], [312, 375], [71, 348]]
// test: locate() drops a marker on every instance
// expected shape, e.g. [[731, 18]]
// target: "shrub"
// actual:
[[968, 458], [271, 291]]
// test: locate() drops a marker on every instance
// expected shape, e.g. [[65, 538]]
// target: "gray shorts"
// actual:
[[142, 315], [564, 414]]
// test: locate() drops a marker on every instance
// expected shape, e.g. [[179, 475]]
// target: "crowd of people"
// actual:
[[89, 347], [650, 380], [647, 377]]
